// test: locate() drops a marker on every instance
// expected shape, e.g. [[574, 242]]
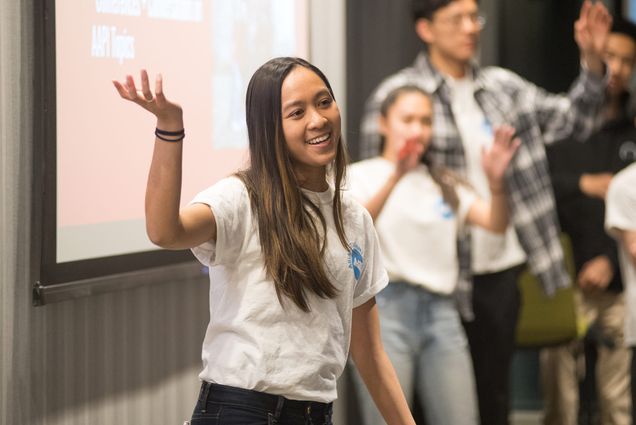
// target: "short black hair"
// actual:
[[625, 27], [426, 8]]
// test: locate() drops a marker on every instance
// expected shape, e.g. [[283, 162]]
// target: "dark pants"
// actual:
[[223, 405], [491, 336], [633, 376]]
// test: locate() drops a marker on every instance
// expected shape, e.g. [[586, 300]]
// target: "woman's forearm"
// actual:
[[381, 380], [376, 203], [163, 190], [375, 367], [498, 220]]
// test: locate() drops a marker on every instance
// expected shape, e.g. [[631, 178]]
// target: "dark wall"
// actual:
[[380, 40], [537, 41]]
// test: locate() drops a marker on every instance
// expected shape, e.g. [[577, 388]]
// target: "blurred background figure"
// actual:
[[581, 174], [418, 209], [620, 221], [468, 102]]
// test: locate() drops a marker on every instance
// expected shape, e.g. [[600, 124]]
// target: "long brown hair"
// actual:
[[442, 176], [292, 242]]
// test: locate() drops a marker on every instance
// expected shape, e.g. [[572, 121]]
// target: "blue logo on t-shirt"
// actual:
[[444, 210], [356, 260], [487, 128]]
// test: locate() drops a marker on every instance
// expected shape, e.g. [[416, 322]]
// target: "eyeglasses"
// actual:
[[456, 21]]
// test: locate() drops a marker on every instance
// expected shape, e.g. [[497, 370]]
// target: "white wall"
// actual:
[[328, 46]]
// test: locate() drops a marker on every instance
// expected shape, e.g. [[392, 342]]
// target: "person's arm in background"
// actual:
[[569, 184], [374, 365], [597, 273], [595, 185], [579, 198], [568, 161], [576, 114], [493, 215]]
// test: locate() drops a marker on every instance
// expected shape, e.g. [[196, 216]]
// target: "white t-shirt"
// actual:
[[491, 252], [417, 229], [620, 213], [251, 341]]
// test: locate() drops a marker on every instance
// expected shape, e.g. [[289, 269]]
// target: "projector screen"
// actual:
[[206, 50], [92, 149]]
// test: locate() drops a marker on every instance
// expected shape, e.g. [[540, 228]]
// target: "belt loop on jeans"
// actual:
[[279, 406], [204, 397], [329, 414], [308, 420]]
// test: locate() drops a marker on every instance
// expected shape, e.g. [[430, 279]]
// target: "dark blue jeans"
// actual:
[[223, 405]]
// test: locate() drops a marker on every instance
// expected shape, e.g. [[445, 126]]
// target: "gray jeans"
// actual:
[[423, 336]]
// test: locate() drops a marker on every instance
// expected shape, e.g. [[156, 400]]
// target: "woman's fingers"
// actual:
[[145, 86], [516, 142], [408, 154], [128, 90], [405, 150], [159, 96], [504, 146], [503, 135], [123, 91], [132, 89], [155, 103]]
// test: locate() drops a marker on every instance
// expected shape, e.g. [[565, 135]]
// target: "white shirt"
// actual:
[[620, 213], [491, 252], [417, 229], [252, 342]]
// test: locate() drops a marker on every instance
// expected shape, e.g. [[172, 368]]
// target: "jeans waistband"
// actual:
[[263, 401]]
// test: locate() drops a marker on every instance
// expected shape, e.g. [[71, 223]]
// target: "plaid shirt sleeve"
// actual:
[[369, 134], [571, 115], [540, 118]]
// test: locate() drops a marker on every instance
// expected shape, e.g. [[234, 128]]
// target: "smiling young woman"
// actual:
[[294, 262]]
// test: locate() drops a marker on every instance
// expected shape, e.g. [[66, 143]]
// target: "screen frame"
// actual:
[[55, 281]]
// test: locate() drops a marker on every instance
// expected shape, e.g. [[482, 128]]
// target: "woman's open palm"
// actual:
[[156, 103], [496, 158]]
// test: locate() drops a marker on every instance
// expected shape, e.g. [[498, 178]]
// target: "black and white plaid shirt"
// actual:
[[538, 117]]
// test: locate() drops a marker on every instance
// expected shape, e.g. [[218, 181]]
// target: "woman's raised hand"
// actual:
[[169, 115], [409, 156], [496, 158]]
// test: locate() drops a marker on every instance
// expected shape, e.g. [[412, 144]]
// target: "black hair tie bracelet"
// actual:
[[173, 136]]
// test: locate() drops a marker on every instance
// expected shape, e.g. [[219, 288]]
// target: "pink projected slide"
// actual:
[[206, 51]]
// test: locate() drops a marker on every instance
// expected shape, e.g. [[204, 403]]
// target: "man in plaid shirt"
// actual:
[[468, 103]]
